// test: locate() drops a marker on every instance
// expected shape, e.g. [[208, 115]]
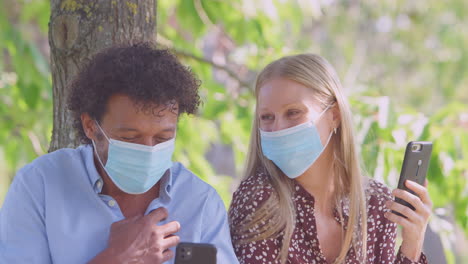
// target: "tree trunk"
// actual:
[[77, 30]]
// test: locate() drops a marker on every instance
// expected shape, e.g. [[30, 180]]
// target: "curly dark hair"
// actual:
[[149, 76]]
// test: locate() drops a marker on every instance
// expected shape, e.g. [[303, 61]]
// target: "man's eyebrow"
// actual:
[[127, 129], [169, 129]]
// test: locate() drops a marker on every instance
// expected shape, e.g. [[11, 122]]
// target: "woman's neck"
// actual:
[[319, 181]]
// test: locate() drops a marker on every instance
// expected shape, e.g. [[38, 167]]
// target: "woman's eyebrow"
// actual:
[[292, 104], [297, 104]]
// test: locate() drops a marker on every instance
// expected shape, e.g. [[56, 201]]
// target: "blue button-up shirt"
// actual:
[[54, 211]]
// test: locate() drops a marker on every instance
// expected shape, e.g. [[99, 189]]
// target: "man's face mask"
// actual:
[[135, 168]]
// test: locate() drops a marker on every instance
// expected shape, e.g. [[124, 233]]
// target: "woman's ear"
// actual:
[[336, 116], [89, 126]]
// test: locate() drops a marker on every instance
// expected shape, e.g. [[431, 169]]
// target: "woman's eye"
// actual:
[[266, 117], [293, 112], [127, 138]]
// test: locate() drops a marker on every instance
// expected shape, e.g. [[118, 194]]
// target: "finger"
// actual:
[[411, 215], [157, 215], [426, 183], [132, 219], [167, 255], [170, 241], [412, 199], [399, 220], [123, 222], [420, 190], [169, 228]]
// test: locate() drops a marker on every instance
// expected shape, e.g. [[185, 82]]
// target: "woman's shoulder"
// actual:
[[377, 190], [252, 192], [253, 189], [379, 227], [377, 193]]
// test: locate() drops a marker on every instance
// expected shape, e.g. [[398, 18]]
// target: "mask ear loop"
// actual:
[[324, 147], [328, 140], [331, 133], [95, 148], [334, 129], [321, 114], [95, 151], [100, 128]]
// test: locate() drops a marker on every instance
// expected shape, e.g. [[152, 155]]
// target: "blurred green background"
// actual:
[[403, 64]]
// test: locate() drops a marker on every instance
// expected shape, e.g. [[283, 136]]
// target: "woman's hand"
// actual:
[[414, 226]]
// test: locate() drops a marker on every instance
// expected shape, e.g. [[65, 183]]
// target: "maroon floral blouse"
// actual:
[[304, 247]]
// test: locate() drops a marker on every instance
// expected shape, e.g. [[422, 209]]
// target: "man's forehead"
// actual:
[[129, 128], [123, 103], [126, 113]]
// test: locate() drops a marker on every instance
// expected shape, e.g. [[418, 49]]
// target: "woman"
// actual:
[[303, 198]]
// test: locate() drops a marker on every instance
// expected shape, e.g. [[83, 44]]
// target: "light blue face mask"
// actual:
[[294, 149], [135, 168]]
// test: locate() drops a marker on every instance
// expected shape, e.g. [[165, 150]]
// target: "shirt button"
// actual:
[[111, 203]]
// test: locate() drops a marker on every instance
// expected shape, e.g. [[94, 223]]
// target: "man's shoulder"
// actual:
[[54, 163], [185, 180]]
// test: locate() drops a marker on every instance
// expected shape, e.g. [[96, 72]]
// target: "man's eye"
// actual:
[[127, 138], [161, 140]]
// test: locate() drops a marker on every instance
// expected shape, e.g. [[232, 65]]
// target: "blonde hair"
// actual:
[[278, 211]]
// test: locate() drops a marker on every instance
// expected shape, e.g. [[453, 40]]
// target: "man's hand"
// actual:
[[140, 240]]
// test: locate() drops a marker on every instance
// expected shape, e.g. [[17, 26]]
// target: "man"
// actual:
[[118, 198]]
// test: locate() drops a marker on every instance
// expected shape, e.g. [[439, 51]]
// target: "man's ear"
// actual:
[[89, 126]]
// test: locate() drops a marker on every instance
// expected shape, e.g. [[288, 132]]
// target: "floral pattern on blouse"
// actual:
[[304, 247]]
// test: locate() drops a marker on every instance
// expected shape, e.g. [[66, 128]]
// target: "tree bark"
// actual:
[[77, 30]]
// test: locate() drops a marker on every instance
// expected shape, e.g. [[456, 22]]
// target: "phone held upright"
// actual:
[[415, 166]]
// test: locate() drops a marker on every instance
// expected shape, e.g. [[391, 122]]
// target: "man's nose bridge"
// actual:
[[149, 141]]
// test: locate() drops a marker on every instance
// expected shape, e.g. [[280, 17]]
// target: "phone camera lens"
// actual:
[[415, 147]]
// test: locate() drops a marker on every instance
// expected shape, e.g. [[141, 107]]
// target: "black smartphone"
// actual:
[[415, 165], [195, 253]]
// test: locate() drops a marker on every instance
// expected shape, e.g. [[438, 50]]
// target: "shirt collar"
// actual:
[[301, 194], [166, 185], [96, 180]]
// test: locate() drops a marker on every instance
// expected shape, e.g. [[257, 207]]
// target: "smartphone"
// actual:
[[195, 253], [415, 165]]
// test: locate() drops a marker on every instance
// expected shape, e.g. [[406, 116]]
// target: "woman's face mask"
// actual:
[[294, 149], [289, 135]]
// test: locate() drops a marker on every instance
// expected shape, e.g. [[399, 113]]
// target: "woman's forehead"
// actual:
[[280, 93]]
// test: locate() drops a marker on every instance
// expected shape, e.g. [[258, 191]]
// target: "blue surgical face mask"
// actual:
[[294, 149], [135, 168]]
